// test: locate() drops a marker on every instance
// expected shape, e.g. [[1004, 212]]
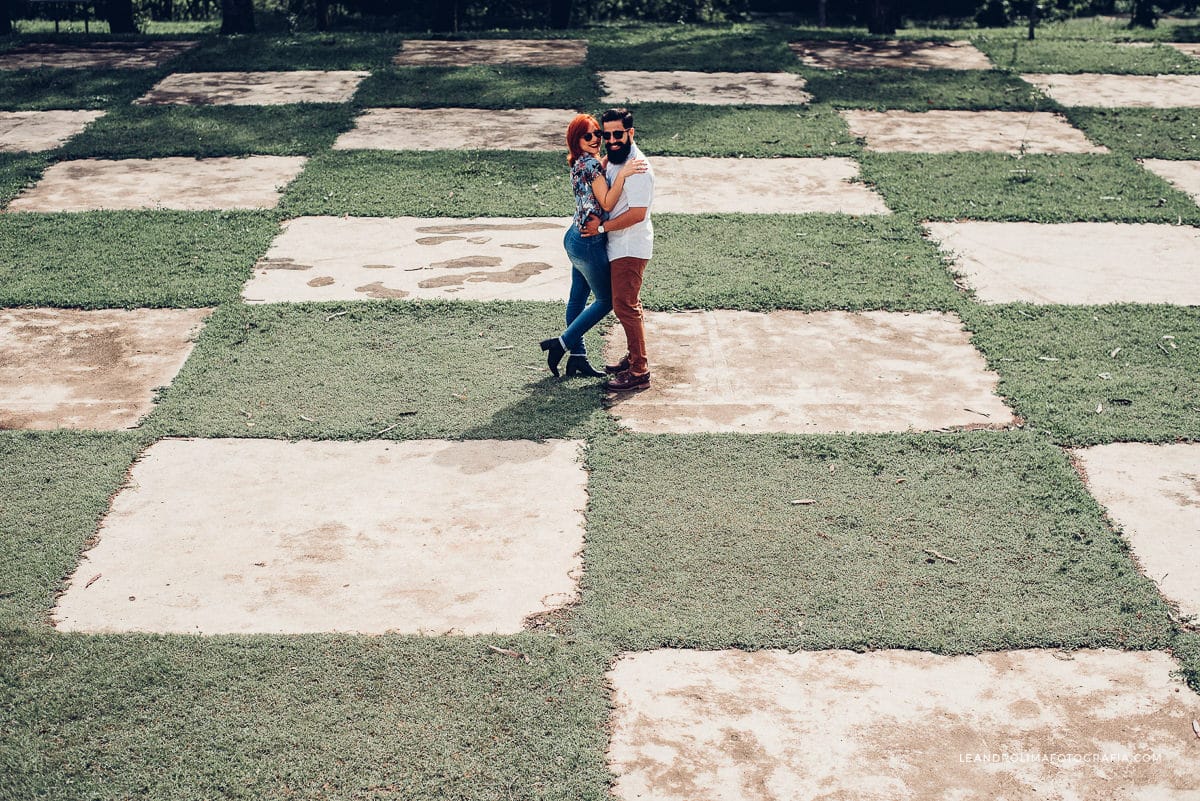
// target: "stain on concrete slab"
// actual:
[[529, 52], [324, 280], [900, 54], [254, 88], [457, 129], [376, 290], [1183, 175], [940, 131], [704, 88], [93, 55], [1120, 91], [35, 131], [66, 368], [516, 275], [220, 536]]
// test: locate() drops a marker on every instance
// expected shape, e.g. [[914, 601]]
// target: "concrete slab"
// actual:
[[973, 131], [1153, 493], [95, 55], [66, 368], [529, 52], [457, 129], [253, 88], [1183, 175], [238, 536], [31, 131], [1082, 263], [906, 54], [1120, 91], [356, 258], [704, 88], [761, 186], [901, 726], [816, 372], [253, 182]]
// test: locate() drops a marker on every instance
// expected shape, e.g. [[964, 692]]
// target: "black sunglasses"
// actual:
[[588, 136], [618, 135]]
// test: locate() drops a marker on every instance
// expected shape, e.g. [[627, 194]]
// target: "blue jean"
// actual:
[[589, 275]]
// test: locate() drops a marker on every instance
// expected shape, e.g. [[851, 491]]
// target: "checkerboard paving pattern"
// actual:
[[622, 87], [254, 88]]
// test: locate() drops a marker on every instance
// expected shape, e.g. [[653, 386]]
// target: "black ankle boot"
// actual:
[[554, 353], [579, 365]]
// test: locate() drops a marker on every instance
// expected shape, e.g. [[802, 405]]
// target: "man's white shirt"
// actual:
[[637, 240]]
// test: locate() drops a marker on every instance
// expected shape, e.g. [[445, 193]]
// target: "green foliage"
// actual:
[[670, 129], [1056, 56], [648, 46], [42, 89], [921, 90], [1162, 133], [481, 86], [17, 171]]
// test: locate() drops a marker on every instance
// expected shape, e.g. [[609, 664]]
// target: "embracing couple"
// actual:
[[609, 242]]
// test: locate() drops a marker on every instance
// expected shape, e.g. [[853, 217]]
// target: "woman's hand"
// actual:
[[633, 167]]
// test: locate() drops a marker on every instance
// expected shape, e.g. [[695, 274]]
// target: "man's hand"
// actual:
[[591, 226]]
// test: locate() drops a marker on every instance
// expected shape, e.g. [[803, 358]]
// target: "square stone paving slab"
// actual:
[[457, 129], [1086, 263], [905, 54], [761, 186], [221, 536], [31, 131], [97, 55], [1120, 91], [187, 184], [803, 372], [1153, 493], [901, 725], [253, 88], [357, 258], [704, 88], [1183, 175], [530, 52], [66, 368], [975, 131]]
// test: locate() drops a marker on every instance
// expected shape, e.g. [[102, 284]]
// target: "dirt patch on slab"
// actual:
[[761, 186], [457, 129], [1120, 91], [253, 88], [1183, 175], [704, 88], [254, 182], [239, 536], [1081, 263], [973, 131], [530, 52], [906, 54], [65, 368], [1153, 493], [889, 725], [98, 55], [819, 372], [33, 131], [517, 259]]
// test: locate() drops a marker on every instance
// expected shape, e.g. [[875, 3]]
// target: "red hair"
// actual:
[[578, 127]]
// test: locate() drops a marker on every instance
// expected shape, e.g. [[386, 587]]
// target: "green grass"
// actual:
[[1187, 650], [1163, 133], [54, 486], [17, 171], [920, 90], [44, 89], [298, 51], [669, 129], [129, 259], [373, 183], [808, 262], [1038, 188], [308, 717], [500, 87], [695, 542], [725, 48], [1053, 360], [1042, 56], [153, 131], [381, 370]]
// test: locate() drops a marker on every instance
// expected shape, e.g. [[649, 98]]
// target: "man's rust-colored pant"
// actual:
[[627, 303]]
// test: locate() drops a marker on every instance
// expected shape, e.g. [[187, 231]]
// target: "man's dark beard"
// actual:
[[617, 155]]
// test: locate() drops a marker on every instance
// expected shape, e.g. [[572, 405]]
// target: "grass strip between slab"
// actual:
[[1094, 374], [504, 86], [308, 717], [45, 89], [1042, 56], [19, 170], [1161, 133], [676, 129], [295, 51], [702, 48], [946, 543], [921, 90]]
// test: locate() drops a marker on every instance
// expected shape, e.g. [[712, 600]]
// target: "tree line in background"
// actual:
[[878, 16]]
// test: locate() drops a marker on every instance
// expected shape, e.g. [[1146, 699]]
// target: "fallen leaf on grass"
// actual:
[[508, 652], [92, 580]]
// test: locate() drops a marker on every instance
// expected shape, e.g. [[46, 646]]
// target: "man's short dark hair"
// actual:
[[624, 115]]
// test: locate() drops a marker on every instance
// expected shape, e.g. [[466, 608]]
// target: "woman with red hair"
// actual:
[[588, 255]]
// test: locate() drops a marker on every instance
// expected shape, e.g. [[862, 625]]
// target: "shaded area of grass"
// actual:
[[465, 183], [1038, 188], [806, 261], [309, 717], [1059, 364], [727, 48], [919, 90], [202, 131], [669, 129], [17, 171], [1051, 56], [379, 370], [128, 259], [1163, 133], [54, 486], [482, 86], [296, 51], [695, 542], [44, 89]]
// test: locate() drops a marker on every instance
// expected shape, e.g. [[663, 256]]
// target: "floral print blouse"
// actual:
[[583, 173]]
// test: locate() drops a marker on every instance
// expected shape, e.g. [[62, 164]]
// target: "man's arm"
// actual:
[[626, 219]]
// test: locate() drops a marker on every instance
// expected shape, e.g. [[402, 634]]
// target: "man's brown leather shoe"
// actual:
[[627, 382], [620, 367]]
